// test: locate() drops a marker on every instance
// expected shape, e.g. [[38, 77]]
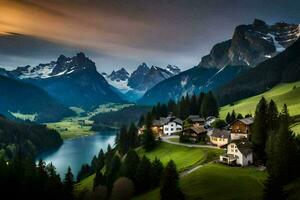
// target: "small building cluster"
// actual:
[[194, 129]]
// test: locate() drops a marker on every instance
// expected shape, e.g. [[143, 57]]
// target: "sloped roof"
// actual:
[[243, 145], [247, 121], [220, 133], [195, 118], [164, 120], [197, 129]]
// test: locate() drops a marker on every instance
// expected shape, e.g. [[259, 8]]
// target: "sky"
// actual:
[[125, 33]]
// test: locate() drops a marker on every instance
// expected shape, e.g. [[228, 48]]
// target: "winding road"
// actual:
[[167, 140], [194, 168]]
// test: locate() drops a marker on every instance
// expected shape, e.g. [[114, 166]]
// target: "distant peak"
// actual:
[[81, 55], [61, 59]]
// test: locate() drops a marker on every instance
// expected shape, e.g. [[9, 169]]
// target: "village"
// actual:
[[234, 138]]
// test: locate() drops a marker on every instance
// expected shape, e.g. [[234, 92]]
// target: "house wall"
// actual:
[[171, 128], [242, 160], [239, 127], [218, 141], [237, 136]]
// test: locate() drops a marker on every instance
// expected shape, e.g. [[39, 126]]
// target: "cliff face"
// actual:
[[252, 44]]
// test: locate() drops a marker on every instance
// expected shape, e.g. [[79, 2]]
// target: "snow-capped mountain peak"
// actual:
[[140, 80], [63, 66]]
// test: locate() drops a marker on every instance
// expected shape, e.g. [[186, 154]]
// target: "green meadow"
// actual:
[[219, 182], [288, 93], [184, 157], [80, 125]]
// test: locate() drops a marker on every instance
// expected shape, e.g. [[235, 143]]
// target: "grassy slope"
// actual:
[[71, 127], [215, 181], [85, 184], [184, 157], [283, 93]]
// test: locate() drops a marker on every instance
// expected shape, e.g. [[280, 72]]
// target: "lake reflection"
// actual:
[[76, 152]]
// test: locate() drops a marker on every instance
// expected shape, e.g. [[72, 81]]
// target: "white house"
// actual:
[[172, 125], [238, 152]]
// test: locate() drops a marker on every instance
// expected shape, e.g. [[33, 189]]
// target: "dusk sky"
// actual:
[[125, 33]]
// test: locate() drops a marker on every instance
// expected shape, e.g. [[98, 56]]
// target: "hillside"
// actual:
[[218, 182], [195, 80], [26, 99], [283, 68], [288, 93], [26, 139]]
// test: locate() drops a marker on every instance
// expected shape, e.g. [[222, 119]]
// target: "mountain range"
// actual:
[[251, 44], [134, 85], [73, 81], [256, 57]]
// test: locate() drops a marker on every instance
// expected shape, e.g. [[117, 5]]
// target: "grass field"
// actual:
[[85, 184], [184, 157], [219, 182], [80, 125], [288, 93]]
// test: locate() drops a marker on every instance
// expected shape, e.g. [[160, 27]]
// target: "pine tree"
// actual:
[[259, 133], [193, 105], [209, 106], [170, 183], [112, 172], [233, 116], [143, 176], [239, 116], [141, 121], [101, 160], [130, 165], [228, 118], [157, 171], [99, 179], [273, 118], [199, 103], [69, 183], [283, 161], [148, 136], [132, 136]]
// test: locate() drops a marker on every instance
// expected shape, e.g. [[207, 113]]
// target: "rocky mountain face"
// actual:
[[133, 86], [74, 81], [249, 46], [252, 44], [192, 81]]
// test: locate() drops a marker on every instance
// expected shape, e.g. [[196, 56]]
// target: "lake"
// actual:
[[75, 152]]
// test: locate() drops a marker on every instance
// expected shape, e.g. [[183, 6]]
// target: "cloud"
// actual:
[[130, 31]]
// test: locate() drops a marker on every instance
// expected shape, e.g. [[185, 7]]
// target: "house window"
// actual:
[[178, 129], [172, 124], [172, 129], [166, 129], [236, 150], [232, 146]]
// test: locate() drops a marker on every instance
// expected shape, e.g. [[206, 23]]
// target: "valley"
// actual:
[[81, 124], [150, 100]]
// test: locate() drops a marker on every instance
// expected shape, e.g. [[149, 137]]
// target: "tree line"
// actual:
[[22, 178], [123, 177], [204, 105], [276, 147], [25, 139]]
